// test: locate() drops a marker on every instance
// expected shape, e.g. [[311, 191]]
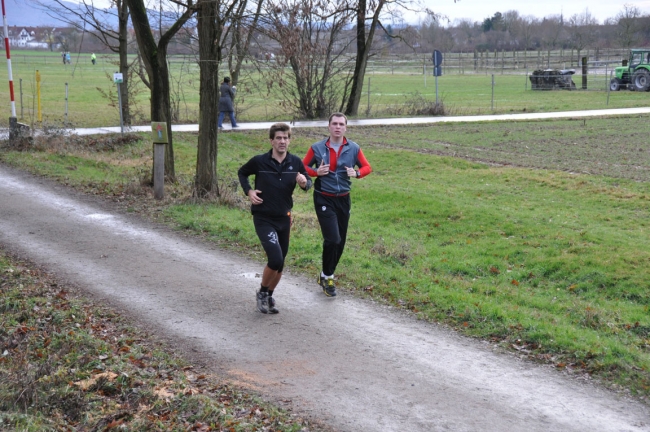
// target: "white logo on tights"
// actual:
[[324, 208], [273, 238]]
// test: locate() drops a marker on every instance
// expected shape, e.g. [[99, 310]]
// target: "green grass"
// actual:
[[553, 261], [391, 94]]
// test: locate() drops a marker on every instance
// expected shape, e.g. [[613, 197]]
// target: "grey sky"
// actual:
[[478, 10]]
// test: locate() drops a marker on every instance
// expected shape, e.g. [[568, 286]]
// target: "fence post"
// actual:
[[492, 92], [585, 69], [368, 109], [66, 104], [526, 80], [39, 113], [21, 99], [608, 87]]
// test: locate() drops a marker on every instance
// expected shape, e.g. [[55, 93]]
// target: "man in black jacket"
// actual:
[[276, 174]]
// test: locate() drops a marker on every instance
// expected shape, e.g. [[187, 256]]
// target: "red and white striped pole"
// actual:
[[11, 78]]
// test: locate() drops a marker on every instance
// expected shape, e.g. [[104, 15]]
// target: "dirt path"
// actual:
[[355, 364]]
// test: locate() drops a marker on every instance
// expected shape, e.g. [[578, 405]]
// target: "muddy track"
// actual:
[[355, 364]]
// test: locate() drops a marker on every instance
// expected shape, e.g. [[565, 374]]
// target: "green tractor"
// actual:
[[635, 75]]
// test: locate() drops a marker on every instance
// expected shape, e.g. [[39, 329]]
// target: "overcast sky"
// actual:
[[478, 10]]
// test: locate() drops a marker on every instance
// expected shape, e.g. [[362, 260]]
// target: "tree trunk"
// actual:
[[123, 21], [155, 62], [242, 47], [364, 44], [205, 181], [161, 106], [358, 76]]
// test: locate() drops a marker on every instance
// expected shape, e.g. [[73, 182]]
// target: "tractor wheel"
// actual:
[[641, 80], [615, 84]]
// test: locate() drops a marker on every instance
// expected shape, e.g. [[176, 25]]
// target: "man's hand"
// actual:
[[323, 169], [351, 172], [301, 180], [253, 196]]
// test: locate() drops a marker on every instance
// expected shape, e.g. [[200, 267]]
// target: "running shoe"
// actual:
[[272, 308], [262, 301], [328, 286]]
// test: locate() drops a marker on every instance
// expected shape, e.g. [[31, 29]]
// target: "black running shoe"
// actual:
[[272, 308], [262, 301], [328, 286]]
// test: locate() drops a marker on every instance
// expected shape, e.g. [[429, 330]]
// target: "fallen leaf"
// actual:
[[163, 393], [88, 383]]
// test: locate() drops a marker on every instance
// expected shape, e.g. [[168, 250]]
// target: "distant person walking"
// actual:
[[276, 174], [93, 58], [67, 57], [332, 161], [227, 93], [63, 57]]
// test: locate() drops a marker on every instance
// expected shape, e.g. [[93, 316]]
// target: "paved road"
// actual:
[[393, 121], [355, 364]]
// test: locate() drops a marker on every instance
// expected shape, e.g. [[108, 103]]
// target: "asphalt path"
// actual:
[[387, 121], [353, 363]]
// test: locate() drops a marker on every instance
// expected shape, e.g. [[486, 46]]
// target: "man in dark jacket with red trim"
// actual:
[[276, 174], [332, 161]]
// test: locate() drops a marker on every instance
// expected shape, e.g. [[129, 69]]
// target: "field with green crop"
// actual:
[[399, 90], [530, 234]]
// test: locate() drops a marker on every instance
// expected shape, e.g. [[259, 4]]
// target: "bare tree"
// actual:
[[628, 25], [217, 19], [465, 32], [209, 56], [86, 16], [308, 35], [524, 30], [368, 15], [436, 34], [582, 30], [364, 44], [511, 21], [244, 27], [154, 57]]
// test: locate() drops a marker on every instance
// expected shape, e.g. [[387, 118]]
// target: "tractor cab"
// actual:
[[635, 75]]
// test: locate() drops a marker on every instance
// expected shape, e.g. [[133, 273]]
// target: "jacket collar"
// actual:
[[327, 142]]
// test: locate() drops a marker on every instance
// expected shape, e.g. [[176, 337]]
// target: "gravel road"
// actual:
[[357, 365]]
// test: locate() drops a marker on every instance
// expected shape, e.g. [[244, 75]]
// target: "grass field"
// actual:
[[530, 234], [394, 93]]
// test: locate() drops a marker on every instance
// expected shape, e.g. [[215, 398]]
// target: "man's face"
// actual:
[[280, 142], [337, 127]]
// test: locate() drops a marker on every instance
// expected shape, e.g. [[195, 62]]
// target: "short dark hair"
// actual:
[[279, 127], [226, 79], [337, 114]]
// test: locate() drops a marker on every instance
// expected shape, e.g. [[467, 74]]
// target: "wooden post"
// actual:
[[159, 137], [584, 73]]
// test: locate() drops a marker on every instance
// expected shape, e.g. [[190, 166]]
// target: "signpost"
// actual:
[[437, 68], [118, 79], [13, 121], [39, 113], [159, 137]]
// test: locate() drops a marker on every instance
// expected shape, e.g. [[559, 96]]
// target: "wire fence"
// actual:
[[398, 85]]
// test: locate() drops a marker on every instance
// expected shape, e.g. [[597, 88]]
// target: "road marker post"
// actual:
[[39, 111], [159, 136], [118, 78]]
